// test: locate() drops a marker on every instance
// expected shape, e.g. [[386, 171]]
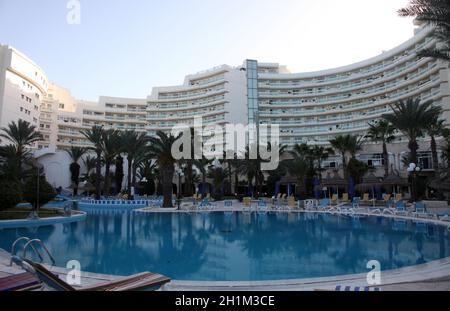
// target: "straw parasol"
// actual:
[[334, 181], [369, 182]]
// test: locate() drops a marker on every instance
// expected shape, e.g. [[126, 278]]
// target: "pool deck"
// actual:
[[430, 276]]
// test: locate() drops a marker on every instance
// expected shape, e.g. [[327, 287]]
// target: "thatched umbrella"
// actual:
[[369, 182], [394, 180], [334, 181]]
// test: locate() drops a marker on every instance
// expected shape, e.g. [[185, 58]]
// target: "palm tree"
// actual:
[[346, 144], [436, 13], [133, 144], [383, 132], [149, 170], [218, 176], [202, 165], [95, 136], [410, 118], [90, 163], [321, 154], [446, 149], [118, 175], [299, 167], [75, 154], [111, 148], [434, 129], [22, 135], [160, 148]]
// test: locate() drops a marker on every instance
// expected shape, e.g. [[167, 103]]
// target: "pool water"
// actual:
[[238, 246]]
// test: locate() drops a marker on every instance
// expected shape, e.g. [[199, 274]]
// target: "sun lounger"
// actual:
[[324, 205], [400, 209], [355, 202], [310, 204], [139, 282], [205, 204], [291, 203], [19, 282], [334, 199], [420, 210], [345, 198], [366, 198]]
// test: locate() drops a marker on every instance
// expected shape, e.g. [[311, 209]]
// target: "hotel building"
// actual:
[[310, 108]]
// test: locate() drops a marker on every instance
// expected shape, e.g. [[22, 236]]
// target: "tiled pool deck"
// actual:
[[426, 277]]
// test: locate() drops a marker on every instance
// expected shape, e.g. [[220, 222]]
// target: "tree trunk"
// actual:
[[167, 173], [107, 186], [236, 182], [413, 147], [129, 173], [386, 160], [230, 178], [203, 184], [188, 180], [98, 173], [434, 154], [256, 186], [344, 165], [133, 177]]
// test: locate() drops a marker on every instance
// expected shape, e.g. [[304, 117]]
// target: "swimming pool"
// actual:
[[239, 246]]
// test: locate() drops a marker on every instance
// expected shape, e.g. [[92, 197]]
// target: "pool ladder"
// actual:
[[30, 243]]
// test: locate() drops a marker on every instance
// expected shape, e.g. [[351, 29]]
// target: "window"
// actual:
[[61, 106]]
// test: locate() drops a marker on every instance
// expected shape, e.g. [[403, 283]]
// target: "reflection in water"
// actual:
[[238, 246]]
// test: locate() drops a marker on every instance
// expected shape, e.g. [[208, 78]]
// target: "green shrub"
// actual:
[[10, 194], [46, 191]]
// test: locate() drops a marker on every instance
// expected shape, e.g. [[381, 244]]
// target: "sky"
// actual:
[[124, 48]]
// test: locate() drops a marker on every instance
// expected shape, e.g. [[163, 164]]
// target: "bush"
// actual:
[[10, 194], [46, 191]]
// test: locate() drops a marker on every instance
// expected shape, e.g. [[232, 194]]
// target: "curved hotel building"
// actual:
[[309, 107]]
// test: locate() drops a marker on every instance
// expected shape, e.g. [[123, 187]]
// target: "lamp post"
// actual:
[[413, 169]]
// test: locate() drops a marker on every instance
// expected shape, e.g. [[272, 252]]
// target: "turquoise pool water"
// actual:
[[239, 246]]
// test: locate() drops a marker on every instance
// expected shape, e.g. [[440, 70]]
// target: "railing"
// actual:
[[30, 243]]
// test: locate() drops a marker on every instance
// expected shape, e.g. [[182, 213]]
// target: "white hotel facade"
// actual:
[[309, 107]]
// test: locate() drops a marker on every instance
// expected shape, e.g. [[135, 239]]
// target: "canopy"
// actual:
[[334, 181]]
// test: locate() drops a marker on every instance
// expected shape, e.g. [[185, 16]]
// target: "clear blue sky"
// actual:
[[124, 48]]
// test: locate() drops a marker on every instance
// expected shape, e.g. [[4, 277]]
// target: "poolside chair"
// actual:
[[386, 198], [262, 206], [228, 203], [334, 199], [400, 209], [324, 205], [247, 202], [366, 198], [309, 204], [398, 197], [345, 198], [140, 282], [206, 204], [355, 202], [291, 203], [19, 282], [420, 210]]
